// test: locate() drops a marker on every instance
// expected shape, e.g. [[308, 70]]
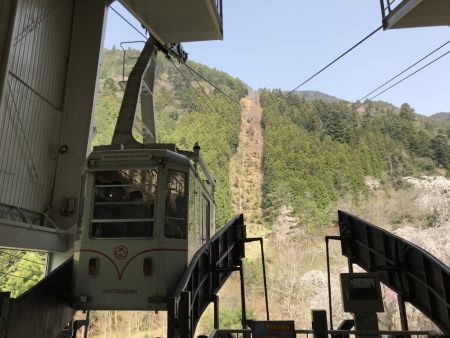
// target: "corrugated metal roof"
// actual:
[[31, 111]]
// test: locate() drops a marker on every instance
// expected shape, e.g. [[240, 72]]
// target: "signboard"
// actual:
[[273, 329]]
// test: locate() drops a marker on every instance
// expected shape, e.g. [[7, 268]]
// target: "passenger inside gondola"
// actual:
[[124, 209], [175, 225]]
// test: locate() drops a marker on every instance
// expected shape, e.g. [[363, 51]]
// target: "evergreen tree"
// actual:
[[407, 112], [441, 150]]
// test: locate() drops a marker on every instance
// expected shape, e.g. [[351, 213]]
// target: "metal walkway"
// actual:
[[42, 311], [208, 271], [413, 273]]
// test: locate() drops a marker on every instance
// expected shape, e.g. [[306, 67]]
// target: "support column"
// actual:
[[148, 102], [402, 311], [216, 312], [244, 309], [4, 309], [81, 84], [319, 323]]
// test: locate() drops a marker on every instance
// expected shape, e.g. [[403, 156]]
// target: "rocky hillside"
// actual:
[[432, 199]]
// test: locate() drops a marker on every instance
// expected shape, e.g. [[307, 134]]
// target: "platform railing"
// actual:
[[208, 271], [238, 333], [387, 6], [219, 7]]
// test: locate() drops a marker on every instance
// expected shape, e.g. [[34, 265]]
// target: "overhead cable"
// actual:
[[335, 60], [21, 258], [189, 82], [10, 274], [128, 22], [212, 84], [29, 270], [191, 69], [203, 89], [405, 70], [407, 77]]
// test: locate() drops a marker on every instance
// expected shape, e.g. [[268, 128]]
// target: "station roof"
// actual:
[[173, 21], [417, 13]]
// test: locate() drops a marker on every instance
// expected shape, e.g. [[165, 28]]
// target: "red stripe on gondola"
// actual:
[[120, 273]]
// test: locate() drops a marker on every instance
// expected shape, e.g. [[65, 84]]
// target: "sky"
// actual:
[[279, 44]]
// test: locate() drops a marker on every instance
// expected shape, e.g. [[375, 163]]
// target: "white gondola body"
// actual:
[[145, 214]]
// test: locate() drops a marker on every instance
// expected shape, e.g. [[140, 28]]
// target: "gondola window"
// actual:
[[175, 224], [124, 203]]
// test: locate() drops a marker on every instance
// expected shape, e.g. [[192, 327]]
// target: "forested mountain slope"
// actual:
[[317, 154]]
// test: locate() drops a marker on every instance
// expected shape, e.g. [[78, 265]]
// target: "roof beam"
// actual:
[[32, 237]]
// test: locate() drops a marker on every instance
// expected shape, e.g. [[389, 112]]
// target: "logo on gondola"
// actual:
[[121, 252]]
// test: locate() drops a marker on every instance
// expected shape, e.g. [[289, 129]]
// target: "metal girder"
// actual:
[[44, 310], [419, 277], [208, 271], [143, 72], [147, 101], [89, 21], [21, 235]]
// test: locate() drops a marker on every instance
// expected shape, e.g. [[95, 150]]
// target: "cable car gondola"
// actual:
[[146, 212], [147, 209]]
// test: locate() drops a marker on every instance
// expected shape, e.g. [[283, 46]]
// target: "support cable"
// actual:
[[29, 270], [184, 63], [10, 274], [21, 258], [128, 22], [204, 91], [335, 60], [407, 77], [212, 84], [190, 84], [405, 70]]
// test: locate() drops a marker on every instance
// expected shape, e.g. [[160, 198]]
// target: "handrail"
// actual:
[[208, 271], [410, 271], [219, 8], [216, 332], [387, 6]]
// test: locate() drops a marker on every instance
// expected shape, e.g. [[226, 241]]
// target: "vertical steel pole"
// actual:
[[216, 312], [383, 14], [184, 315], [319, 323], [86, 326], [171, 313], [244, 314], [330, 306], [402, 311], [264, 278]]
